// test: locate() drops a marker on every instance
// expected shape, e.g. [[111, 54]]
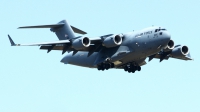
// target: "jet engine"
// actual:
[[170, 46], [180, 51], [81, 43], [112, 41]]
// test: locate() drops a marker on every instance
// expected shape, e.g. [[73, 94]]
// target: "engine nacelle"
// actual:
[[81, 43], [180, 51], [113, 41], [170, 46]]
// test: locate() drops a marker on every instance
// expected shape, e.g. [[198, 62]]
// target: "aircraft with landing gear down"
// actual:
[[126, 51]]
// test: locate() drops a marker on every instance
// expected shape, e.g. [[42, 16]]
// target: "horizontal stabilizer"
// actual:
[[76, 30], [43, 26]]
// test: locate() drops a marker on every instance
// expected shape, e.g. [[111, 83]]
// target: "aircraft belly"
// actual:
[[139, 53], [80, 59]]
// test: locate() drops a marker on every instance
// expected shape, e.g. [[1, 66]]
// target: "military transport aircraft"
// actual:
[[126, 51]]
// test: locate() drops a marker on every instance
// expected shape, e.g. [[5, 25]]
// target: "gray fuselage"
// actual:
[[135, 47]]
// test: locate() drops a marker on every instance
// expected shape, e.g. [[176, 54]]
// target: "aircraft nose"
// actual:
[[166, 36]]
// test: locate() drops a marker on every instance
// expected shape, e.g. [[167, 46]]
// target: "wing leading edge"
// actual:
[[165, 56], [64, 45]]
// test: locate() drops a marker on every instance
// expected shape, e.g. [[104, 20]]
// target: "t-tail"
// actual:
[[62, 29]]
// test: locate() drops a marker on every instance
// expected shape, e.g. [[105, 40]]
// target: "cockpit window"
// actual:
[[157, 30]]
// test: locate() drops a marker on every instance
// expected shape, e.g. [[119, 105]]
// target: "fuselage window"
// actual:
[[156, 30], [160, 33]]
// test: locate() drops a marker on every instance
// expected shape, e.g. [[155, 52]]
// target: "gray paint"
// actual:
[[133, 50], [64, 32]]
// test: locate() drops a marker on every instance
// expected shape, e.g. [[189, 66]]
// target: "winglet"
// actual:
[[11, 41]]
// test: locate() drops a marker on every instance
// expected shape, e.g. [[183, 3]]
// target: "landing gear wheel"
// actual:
[[133, 70], [129, 70], [99, 67], [102, 67], [126, 68], [138, 68], [107, 66], [112, 65]]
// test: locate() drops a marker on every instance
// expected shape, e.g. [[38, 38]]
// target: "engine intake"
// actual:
[[113, 41], [180, 51], [170, 46], [81, 43]]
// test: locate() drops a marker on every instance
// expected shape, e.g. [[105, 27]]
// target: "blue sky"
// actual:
[[33, 81]]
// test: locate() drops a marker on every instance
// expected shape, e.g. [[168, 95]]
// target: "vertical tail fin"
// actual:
[[63, 32]]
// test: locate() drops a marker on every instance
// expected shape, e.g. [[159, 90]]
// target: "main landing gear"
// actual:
[[131, 68], [105, 66]]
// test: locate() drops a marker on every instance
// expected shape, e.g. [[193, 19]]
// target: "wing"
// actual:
[[177, 53], [64, 45]]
